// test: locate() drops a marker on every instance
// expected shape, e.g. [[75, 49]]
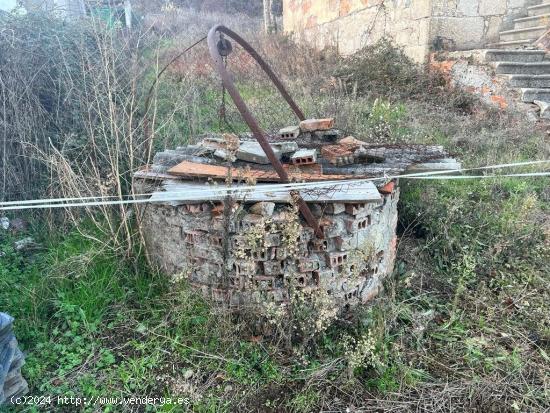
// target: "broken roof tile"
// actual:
[[191, 169]]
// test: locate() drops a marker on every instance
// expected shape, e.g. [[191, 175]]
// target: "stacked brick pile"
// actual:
[[12, 383]]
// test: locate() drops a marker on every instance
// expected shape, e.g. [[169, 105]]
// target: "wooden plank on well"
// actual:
[[179, 192]]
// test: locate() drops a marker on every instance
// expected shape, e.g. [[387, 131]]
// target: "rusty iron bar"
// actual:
[[249, 118]]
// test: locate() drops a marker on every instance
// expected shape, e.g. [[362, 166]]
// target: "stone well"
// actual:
[[219, 216], [249, 252]]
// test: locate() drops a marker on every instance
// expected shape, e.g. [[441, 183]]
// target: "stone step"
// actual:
[[516, 44], [532, 21], [529, 81], [514, 68], [523, 34], [539, 9], [521, 56], [530, 94]]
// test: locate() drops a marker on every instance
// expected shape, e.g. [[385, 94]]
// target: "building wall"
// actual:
[[472, 24], [416, 25], [352, 24]]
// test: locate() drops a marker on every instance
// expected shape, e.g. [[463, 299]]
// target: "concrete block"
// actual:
[[244, 268], [290, 132], [253, 152], [357, 224], [237, 242], [332, 226], [355, 209], [336, 259], [319, 245], [285, 147], [251, 221], [304, 157], [264, 283], [335, 208], [331, 135], [346, 242]]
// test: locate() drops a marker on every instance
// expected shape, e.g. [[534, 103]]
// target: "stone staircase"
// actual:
[[517, 58]]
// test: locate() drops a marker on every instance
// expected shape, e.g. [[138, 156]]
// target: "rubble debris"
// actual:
[[225, 155], [339, 155], [26, 244], [19, 225], [4, 223], [12, 383], [352, 142], [312, 125]]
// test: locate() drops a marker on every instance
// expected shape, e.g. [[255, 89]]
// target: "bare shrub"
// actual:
[[382, 69], [72, 116]]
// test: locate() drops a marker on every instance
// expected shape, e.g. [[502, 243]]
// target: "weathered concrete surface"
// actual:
[[416, 25]]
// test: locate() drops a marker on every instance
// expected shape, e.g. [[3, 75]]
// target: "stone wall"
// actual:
[[352, 24], [257, 252], [416, 25], [472, 24]]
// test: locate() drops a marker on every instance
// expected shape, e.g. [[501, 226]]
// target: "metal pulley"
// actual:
[[224, 46]]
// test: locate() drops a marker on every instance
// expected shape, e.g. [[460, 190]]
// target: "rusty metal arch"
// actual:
[[255, 128]]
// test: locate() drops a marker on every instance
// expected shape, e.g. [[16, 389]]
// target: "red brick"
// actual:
[[387, 189], [357, 224], [312, 125], [355, 209], [335, 259]]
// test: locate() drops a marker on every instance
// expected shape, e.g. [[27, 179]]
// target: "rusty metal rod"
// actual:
[[249, 118]]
